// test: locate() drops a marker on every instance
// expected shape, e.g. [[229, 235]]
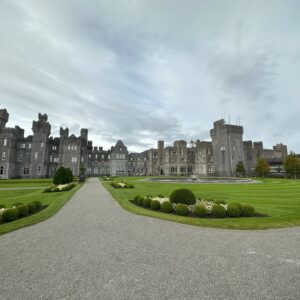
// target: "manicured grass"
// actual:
[[13, 183], [277, 198], [54, 201]]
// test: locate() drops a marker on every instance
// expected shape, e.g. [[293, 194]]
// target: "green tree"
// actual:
[[240, 168], [262, 167], [69, 174], [292, 165], [62, 176]]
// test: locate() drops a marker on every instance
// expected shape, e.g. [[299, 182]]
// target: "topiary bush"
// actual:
[[233, 211], [200, 210], [183, 196], [166, 207], [248, 211], [218, 211], [23, 210], [146, 202], [38, 205], [155, 204], [2, 206], [182, 209], [31, 207], [10, 214]]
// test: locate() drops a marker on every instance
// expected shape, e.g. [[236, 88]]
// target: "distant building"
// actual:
[[39, 155]]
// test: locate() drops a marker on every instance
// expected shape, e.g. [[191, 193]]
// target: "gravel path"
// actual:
[[93, 249]]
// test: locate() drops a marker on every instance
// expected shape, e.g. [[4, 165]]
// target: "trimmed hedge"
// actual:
[[146, 202], [233, 210], [248, 211], [31, 207], [63, 176], [37, 204], [219, 201], [140, 200], [183, 196], [155, 204], [23, 210], [218, 211], [182, 209], [166, 207], [10, 214], [200, 210]]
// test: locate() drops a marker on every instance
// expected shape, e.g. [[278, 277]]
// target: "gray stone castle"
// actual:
[[39, 155]]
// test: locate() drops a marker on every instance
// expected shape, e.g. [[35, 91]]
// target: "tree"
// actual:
[[262, 167], [292, 165], [240, 168], [62, 176]]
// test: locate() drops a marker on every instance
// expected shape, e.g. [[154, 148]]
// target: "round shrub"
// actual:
[[135, 199], [233, 210], [237, 204], [200, 210], [146, 202], [182, 209], [166, 207], [219, 202], [183, 196], [160, 196], [23, 210], [2, 206], [155, 204], [10, 214], [38, 205], [31, 207], [248, 211], [140, 201], [218, 211]]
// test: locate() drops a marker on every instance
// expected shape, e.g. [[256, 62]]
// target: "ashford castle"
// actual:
[[39, 155]]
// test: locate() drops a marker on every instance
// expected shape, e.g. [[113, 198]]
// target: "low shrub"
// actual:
[[182, 209], [38, 205], [237, 204], [2, 206], [146, 202], [183, 196], [160, 196], [140, 201], [17, 204], [56, 189], [68, 187], [48, 190], [31, 207], [233, 210], [135, 199], [23, 210], [166, 207], [218, 211], [200, 210], [248, 211], [10, 214], [219, 202], [155, 204]]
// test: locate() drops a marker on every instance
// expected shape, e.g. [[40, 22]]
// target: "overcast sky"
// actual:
[[142, 70]]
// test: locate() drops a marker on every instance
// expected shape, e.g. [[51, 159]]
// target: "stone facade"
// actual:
[[39, 155]]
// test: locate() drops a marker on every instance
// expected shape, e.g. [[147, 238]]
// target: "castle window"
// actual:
[[26, 171], [69, 147], [96, 156], [121, 149], [3, 156], [53, 147], [102, 156], [35, 155], [19, 157], [222, 148], [108, 156], [75, 147], [1, 170], [90, 155], [5, 142], [82, 159], [39, 169], [74, 159], [22, 146], [42, 144], [29, 146], [50, 158]]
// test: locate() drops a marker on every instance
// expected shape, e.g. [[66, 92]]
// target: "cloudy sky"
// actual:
[[143, 70]]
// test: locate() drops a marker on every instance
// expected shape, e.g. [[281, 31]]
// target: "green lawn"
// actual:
[[278, 198], [54, 201]]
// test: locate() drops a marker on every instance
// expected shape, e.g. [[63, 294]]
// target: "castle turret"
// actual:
[[160, 146], [4, 115], [228, 148]]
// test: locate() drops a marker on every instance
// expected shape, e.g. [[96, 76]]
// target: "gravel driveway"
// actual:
[[93, 249]]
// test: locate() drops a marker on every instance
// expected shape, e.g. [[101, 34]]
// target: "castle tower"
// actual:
[[40, 148], [228, 148], [160, 146]]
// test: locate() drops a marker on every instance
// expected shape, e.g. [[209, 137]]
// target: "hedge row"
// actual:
[[20, 210], [233, 210], [117, 185], [54, 188]]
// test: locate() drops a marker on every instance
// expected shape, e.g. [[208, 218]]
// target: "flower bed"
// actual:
[[60, 188], [122, 185], [202, 208], [19, 210]]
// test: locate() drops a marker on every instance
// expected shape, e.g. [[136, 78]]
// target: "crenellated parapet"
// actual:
[[42, 125]]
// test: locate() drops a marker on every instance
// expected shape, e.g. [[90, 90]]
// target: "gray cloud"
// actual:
[[148, 70]]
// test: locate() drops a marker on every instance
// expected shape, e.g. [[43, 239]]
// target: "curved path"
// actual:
[[93, 249]]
